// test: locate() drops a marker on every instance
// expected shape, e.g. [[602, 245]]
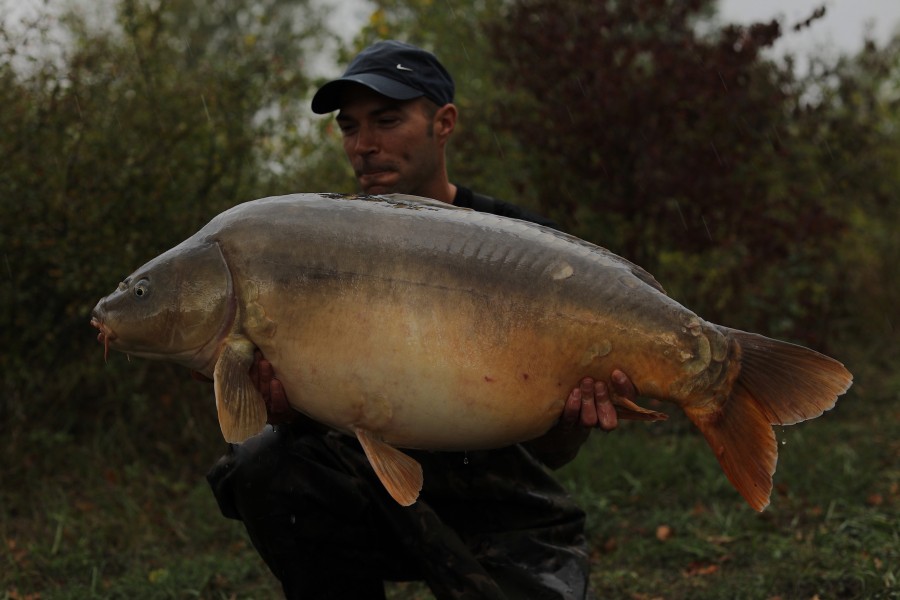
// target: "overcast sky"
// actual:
[[840, 30]]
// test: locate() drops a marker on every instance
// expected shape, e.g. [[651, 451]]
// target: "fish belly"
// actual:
[[433, 379]]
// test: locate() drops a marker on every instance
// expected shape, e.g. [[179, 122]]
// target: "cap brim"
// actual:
[[328, 98]]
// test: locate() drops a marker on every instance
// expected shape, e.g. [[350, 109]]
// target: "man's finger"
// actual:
[[278, 402], [266, 374], [572, 409], [607, 419], [588, 410], [623, 386]]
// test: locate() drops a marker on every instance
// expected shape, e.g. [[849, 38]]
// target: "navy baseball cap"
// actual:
[[394, 69]]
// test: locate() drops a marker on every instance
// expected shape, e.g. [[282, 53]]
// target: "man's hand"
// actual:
[[277, 406], [588, 407]]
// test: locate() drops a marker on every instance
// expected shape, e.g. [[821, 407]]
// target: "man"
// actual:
[[488, 524]]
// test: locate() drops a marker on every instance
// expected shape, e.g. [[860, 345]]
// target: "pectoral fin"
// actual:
[[400, 474], [242, 410], [626, 409]]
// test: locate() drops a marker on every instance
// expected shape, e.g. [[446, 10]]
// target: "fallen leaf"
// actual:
[[19, 555], [14, 594], [720, 540], [664, 532], [696, 568], [110, 475]]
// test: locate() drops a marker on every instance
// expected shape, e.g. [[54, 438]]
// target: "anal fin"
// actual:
[[626, 409], [400, 474]]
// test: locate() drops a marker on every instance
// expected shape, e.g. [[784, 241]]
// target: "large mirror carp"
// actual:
[[410, 323]]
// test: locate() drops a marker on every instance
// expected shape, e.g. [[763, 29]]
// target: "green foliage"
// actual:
[[113, 149], [683, 152], [124, 148], [855, 128]]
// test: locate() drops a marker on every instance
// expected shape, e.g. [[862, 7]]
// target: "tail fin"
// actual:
[[778, 384]]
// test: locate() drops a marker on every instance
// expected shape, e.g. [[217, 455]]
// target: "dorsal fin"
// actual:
[[410, 200]]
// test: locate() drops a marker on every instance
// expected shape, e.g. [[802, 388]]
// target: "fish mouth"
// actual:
[[105, 336]]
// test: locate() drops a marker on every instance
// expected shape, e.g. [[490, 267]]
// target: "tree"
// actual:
[[126, 145], [854, 124], [678, 149]]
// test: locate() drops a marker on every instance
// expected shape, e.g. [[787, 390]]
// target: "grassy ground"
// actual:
[[119, 508]]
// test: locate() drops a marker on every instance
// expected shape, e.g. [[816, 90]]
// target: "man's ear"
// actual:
[[445, 121]]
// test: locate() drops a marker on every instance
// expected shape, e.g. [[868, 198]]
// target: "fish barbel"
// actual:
[[410, 323]]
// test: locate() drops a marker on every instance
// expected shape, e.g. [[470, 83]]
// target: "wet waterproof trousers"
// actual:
[[488, 525]]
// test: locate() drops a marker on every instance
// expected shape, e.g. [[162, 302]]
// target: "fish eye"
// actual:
[[142, 288]]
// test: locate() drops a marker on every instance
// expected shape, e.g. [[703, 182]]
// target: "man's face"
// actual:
[[391, 144]]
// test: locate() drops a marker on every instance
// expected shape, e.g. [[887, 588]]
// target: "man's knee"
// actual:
[[280, 470], [247, 471]]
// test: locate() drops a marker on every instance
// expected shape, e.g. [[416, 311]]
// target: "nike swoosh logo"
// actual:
[[402, 68]]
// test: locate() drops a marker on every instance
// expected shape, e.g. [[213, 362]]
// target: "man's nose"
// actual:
[[366, 141]]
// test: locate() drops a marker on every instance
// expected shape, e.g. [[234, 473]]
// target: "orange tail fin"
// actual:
[[779, 384]]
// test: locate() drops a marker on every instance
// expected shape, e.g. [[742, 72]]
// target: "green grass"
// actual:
[[666, 524], [116, 506]]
